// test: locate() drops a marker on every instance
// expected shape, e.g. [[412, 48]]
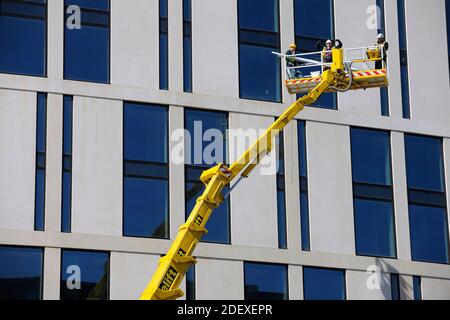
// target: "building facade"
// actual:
[[91, 93]]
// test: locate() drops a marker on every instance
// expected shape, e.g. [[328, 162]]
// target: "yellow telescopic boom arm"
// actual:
[[173, 266]]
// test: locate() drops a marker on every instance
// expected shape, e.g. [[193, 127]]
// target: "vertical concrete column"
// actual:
[[53, 172], [176, 170], [292, 187], [295, 280], [52, 271], [287, 31], [55, 38], [176, 45], [406, 287], [392, 36], [400, 195]]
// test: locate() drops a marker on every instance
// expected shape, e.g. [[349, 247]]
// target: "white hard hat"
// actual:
[[329, 41], [380, 36]]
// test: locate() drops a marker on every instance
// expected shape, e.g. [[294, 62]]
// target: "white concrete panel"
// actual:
[[53, 178], [215, 47], [253, 201], [130, 274], [97, 166], [219, 280], [428, 60], [55, 38], [330, 188], [52, 270], [353, 30], [400, 189], [135, 43], [295, 276], [379, 287], [435, 289], [17, 159]]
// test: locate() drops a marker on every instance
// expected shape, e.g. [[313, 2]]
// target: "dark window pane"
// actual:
[[163, 62], [281, 210], [429, 234], [190, 283], [372, 192], [93, 270], [197, 123], [417, 288], [67, 125], [381, 25], [426, 198], [314, 18], [301, 131], [258, 14], [187, 10], [187, 63], [87, 50], [405, 91], [265, 281], [41, 116], [90, 4], [371, 156], [23, 38], [384, 98], [304, 220], [66, 205], [395, 286], [146, 208], [260, 75], [145, 132], [323, 284], [374, 228], [21, 273], [146, 170], [424, 162], [39, 201], [401, 24]]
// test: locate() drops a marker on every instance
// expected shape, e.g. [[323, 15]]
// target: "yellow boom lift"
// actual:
[[337, 76]]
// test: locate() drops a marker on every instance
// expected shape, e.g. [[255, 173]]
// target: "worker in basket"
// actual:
[[293, 62], [327, 55], [383, 48]]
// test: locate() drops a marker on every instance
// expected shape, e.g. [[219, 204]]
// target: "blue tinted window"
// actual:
[[41, 127], [146, 172], [259, 69], [265, 281], [163, 46], [198, 123], [417, 288], [384, 93], [21, 273], [190, 283], [314, 24], [281, 193], [187, 46], [374, 228], [87, 50], [371, 156], [403, 58], [259, 15], [323, 284], [372, 191], [304, 211], [94, 272], [146, 203], [314, 18], [23, 37], [146, 131], [66, 200], [429, 234], [424, 162], [395, 286]]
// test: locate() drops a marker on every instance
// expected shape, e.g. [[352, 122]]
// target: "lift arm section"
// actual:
[[174, 265]]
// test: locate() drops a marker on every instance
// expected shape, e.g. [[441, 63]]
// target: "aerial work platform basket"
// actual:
[[304, 71]]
